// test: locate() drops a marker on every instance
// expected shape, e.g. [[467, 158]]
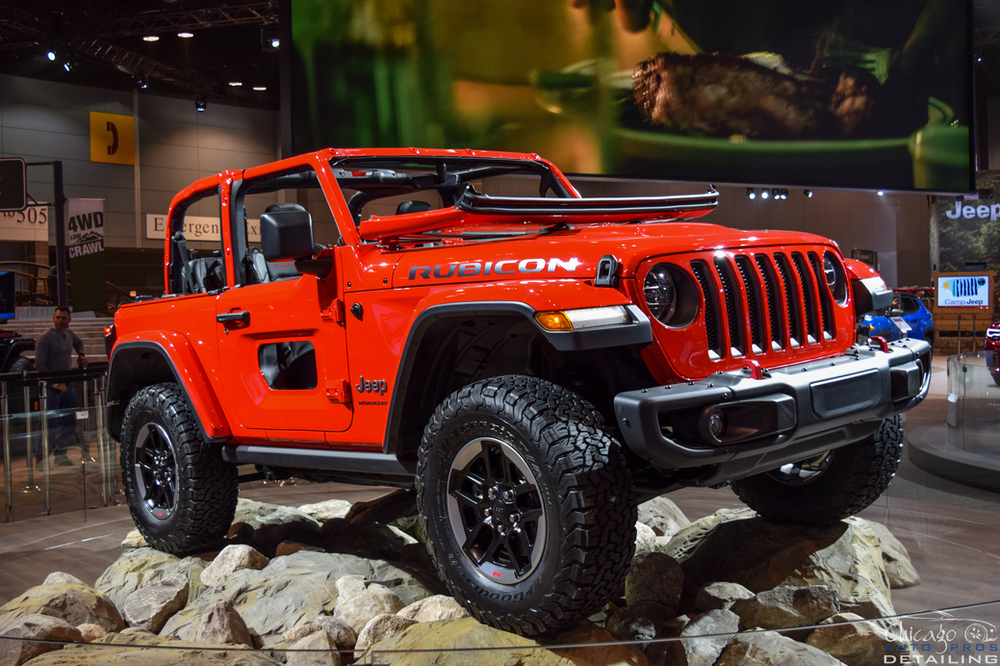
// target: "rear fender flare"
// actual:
[[132, 367]]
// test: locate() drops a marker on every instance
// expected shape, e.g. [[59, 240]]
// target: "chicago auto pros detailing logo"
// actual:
[[503, 267]]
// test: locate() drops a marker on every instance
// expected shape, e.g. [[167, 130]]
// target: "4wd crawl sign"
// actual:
[[85, 249]]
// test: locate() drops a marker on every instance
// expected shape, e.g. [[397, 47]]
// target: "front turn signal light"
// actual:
[[554, 321]]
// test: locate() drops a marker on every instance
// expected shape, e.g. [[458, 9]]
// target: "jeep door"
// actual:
[[282, 351]]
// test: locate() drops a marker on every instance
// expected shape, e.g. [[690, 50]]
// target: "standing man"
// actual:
[[54, 353]]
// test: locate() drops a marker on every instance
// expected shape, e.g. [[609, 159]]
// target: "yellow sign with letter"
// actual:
[[112, 138]]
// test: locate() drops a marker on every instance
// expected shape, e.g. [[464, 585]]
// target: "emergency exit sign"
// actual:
[[13, 193]]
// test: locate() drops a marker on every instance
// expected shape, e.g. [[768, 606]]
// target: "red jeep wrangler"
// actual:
[[534, 363]]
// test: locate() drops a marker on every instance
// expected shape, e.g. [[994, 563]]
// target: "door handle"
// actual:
[[240, 319]]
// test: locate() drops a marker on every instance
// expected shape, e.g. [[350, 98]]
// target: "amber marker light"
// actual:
[[569, 320], [553, 321]]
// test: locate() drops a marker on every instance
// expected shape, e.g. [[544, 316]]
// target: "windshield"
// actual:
[[394, 186]]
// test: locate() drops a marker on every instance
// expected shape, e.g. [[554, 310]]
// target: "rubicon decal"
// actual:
[[371, 386], [502, 267]]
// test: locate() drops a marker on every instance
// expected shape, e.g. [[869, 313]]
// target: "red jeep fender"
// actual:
[[128, 367]]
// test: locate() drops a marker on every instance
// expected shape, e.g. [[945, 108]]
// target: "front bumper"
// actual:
[[754, 420]]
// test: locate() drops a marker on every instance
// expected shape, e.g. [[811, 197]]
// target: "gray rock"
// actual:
[[258, 514], [358, 601], [853, 566], [221, 624], [62, 578], [76, 604], [144, 566], [704, 638], [645, 620], [772, 649], [760, 555], [34, 626], [645, 540], [431, 609], [134, 540], [91, 632], [787, 606], [343, 634], [663, 516], [380, 628], [290, 547], [720, 595], [315, 649], [151, 606], [140, 649], [584, 634], [385, 509], [324, 511], [895, 558], [291, 591], [656, 577], [232, 558], [853, 642]]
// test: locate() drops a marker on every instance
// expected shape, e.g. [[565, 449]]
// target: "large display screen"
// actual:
[[964, 291], [870, 94]]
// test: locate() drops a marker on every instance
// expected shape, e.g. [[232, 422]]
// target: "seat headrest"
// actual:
[[412, 206]]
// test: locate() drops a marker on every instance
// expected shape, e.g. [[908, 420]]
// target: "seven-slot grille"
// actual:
[[761, 302]]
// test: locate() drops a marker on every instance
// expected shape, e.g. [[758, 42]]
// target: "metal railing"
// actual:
[[33, 430]]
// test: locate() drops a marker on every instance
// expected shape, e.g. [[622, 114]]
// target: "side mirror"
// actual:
[[286, 234]]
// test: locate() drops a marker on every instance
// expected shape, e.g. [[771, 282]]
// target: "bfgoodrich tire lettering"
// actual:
[[181, 493], [832, 487], [526, 503]]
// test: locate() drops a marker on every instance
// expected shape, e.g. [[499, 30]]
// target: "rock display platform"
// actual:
[[331, 583]]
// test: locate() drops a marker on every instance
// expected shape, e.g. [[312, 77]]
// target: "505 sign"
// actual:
[[32, 215], [30, 224]]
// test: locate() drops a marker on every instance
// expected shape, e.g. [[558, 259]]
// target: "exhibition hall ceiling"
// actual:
[[212, 50]]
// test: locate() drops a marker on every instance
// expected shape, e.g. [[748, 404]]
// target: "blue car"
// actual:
[[907, 317]]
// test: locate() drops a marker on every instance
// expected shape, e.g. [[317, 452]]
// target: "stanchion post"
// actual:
[[43, 403], [8, 476], [29, 437], [102, 449]]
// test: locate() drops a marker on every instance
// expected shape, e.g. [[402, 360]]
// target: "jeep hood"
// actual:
[[575, 252]]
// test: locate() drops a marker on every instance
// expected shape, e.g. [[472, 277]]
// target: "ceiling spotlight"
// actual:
[[881, 193], [764, 194], [141, 83], [235, 84], [260, 88], [68, 66], [51, 55], [200, 104], [751, 193], [808, 193], [269, 39], [151, 38], [185, 35]]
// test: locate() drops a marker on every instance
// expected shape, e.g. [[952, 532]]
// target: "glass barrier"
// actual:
[[57, 456]]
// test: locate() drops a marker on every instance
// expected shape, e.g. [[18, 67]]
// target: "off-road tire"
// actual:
[[850, 479], [22, 363], [181, 493], [569, 494]]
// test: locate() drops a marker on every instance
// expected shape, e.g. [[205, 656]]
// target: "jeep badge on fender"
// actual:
[[374, 386], [543, 351]]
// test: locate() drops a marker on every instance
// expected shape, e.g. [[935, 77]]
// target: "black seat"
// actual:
[[412, 206]]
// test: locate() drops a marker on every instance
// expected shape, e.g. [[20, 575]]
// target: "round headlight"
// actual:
[[661, 293], [829, 271]]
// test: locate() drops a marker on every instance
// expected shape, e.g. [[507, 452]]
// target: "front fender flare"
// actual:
[[131, 367]]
